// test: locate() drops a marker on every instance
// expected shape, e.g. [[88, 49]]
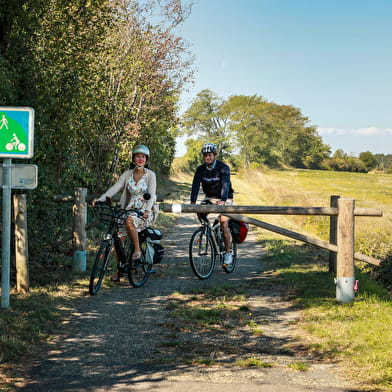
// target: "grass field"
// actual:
[[313, 188], [357, 335]]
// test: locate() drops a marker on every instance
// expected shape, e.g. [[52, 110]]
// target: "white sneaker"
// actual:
[[228, 259]]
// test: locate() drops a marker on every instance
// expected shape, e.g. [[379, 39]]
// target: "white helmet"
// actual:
[[209, 147], [140, 149]]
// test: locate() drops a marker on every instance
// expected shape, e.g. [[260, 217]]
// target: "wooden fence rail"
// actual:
[[268, 210]]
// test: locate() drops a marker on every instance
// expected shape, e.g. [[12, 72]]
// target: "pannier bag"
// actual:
[[239, 230], [154, 249]]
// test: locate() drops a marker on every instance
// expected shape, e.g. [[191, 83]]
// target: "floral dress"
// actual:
[[136, 192]]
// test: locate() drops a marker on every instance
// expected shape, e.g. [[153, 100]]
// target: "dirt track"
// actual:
[[113, 341]]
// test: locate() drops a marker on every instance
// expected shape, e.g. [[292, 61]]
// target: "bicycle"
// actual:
[[206, 243], [139, 270]]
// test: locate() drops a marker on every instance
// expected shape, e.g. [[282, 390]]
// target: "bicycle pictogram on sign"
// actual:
[[16, 132]]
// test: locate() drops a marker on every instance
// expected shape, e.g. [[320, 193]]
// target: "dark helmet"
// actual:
[[209, 147], [140, 149]]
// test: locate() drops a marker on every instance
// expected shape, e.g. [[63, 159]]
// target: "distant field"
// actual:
[[314, 188]]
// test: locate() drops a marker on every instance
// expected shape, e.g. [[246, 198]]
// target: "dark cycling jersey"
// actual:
[[215, 181]]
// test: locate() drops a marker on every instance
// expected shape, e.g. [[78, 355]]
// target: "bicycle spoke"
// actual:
[[201, 254], [100, 267], [139, 270]]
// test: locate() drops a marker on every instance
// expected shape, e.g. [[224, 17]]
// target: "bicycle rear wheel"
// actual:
[[139, 270], [99, 267], [233, 249], [201, 254]]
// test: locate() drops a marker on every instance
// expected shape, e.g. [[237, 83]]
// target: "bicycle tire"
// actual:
[[139, 270], [99, 267], [201, 254], [233, 249]]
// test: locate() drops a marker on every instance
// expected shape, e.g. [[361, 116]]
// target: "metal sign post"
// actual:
[[16, 141], [6, 238]]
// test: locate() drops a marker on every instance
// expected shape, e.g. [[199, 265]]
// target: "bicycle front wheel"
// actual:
[[139, 270], [201, 254], [100, 267]]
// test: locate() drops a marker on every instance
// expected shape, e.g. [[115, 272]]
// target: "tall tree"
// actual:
[[101, 77], [206, 120]]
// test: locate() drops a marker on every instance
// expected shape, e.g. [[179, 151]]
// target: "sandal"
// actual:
[[115, 277]]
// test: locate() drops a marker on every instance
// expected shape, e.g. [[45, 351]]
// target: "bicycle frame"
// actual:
[[211, 232]]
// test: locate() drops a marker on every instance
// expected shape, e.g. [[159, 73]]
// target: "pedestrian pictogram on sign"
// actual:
[[16, 132]]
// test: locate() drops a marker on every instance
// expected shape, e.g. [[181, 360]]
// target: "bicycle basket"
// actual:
[[111, 215]]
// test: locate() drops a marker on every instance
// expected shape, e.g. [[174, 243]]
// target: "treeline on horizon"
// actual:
[[251, 132]]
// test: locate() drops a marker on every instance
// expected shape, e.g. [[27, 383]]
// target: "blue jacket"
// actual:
[[215, 182]]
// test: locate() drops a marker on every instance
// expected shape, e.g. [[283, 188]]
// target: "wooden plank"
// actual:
[[333, 233], [345, 239], [268, 210], [300, 237]]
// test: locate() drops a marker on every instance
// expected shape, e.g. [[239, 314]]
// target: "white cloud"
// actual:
[[332, 131], [370, 131]]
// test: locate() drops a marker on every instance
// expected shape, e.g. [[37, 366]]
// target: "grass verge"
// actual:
[[358, 334]]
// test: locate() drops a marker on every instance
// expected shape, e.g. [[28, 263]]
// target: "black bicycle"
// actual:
[[137, 271], [205, 245]]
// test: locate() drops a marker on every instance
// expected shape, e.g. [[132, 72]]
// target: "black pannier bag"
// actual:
[[239, 230], [154, 249]]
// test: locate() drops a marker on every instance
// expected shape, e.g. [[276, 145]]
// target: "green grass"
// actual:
[[254, 362], [30, 320], [358, 334], [313, 188], [299, 366]]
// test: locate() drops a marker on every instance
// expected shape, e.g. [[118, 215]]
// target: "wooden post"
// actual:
[[333, 233], [345, 279], [21, 244], [79, 230]]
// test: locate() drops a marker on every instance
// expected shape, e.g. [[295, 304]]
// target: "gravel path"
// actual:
[[113, 341]]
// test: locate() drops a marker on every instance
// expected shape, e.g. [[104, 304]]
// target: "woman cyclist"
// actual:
[[134, 184]]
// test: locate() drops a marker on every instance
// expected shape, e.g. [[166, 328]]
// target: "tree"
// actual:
[[368, 159], [206, 120], [101, 78], [261, 132]]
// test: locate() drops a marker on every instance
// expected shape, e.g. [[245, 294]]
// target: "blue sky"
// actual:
[[330, 58]]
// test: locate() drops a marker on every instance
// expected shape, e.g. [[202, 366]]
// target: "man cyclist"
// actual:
[[214, 177]]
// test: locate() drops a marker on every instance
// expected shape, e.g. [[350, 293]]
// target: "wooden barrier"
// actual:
[[341, 211], [300, 237], [268, 210], [332, 234], [344, 214]]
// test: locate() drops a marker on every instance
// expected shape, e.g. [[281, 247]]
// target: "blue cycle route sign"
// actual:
[[16, 132]]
